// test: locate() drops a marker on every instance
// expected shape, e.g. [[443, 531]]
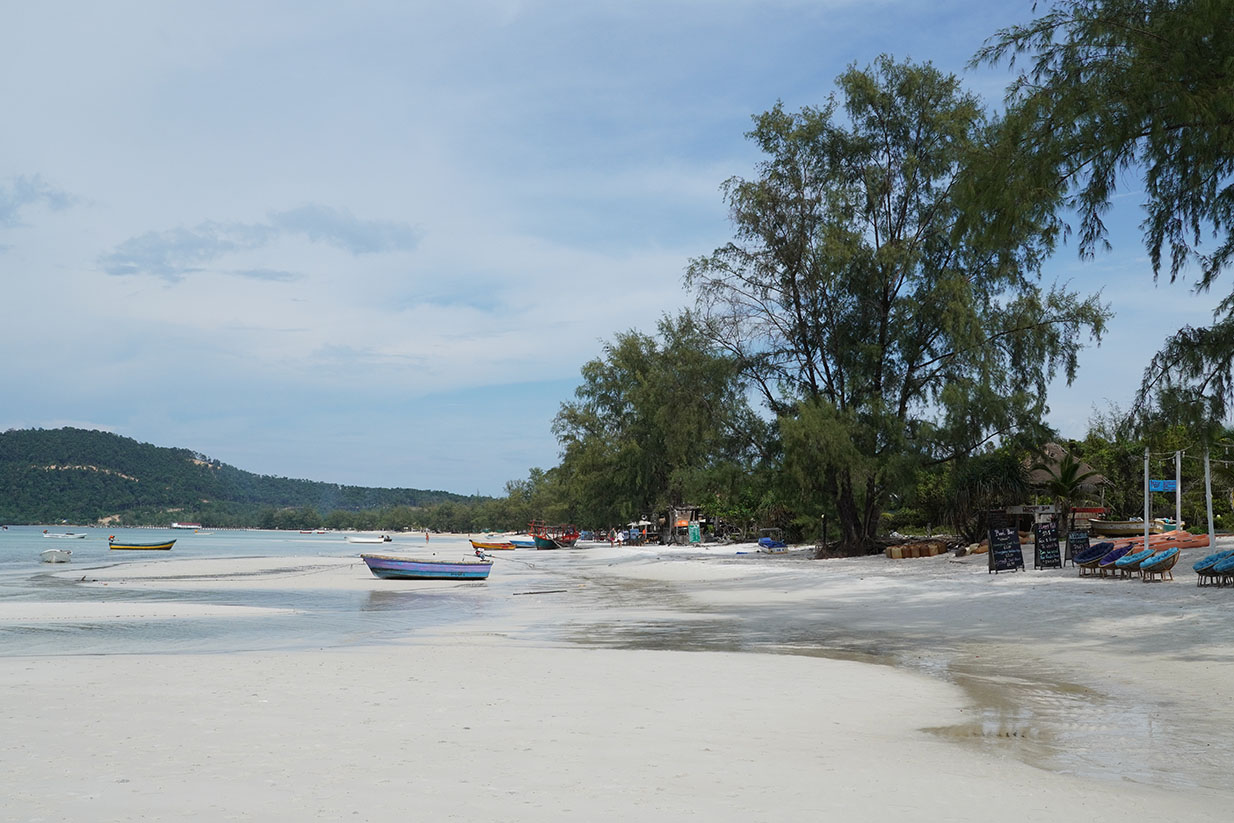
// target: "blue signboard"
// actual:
[[1162, 485]]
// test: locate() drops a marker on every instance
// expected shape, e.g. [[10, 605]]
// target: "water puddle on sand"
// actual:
[[1019, 707]]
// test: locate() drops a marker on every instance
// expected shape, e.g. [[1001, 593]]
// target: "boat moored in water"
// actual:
[[125, 544], [65, 535]]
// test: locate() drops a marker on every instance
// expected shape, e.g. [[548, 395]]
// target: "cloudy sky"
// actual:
[[373, 242]]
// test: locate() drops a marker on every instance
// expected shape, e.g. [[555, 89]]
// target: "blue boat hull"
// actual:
[[404, 568]]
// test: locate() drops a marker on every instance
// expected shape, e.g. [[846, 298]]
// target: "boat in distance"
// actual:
[[56, 555], [476, 544], [125, 544], [396, 567], [360, 538], [65, 535], [1130, 528]]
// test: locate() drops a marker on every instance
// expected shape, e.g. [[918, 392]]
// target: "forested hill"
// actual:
[[83, 476]]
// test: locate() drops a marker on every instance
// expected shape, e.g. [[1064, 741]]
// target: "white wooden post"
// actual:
[[1208, 500], [1148, 512], [1178, 490]]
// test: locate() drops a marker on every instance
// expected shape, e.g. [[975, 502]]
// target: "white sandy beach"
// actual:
[[1008, 698]]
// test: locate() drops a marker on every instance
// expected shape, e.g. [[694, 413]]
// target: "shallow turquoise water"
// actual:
[[322, 618]]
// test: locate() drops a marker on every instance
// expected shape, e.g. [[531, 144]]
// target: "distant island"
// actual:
[[97, 478]]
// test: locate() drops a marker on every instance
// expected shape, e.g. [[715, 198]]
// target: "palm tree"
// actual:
[[1064, 483]]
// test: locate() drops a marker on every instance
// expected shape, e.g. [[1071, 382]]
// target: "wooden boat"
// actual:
[[154, 547], [476, 544], [519, 543], [401, 567], [1130, 528], [552, 537], [65, 535], [56, 555], [360, 538]]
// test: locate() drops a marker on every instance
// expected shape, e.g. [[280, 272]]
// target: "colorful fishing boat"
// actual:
[[476, 544], [154, 547], [561, 536], [520, 543], [402, 567]]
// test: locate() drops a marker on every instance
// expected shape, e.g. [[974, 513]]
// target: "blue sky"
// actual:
[[373, 242]]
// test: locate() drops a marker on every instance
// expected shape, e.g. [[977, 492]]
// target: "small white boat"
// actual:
[[360, 538], [65, 535], [56, 555]]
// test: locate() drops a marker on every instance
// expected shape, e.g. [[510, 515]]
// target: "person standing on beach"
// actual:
[[426, 537]]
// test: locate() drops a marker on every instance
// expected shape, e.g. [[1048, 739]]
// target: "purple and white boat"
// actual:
[[393, 566]]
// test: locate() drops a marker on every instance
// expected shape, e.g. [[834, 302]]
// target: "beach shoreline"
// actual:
[[725, 670]]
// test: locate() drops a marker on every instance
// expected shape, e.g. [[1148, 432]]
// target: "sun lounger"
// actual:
[[1086, 561], [1204, 574], [1223, 570], [1108, 562], [1160, 565], [1129, 564]]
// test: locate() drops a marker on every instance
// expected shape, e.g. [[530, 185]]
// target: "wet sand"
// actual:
[[660, 684]]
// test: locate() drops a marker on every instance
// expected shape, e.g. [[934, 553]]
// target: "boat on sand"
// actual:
[[477, 544], [404, 567], [56, 555]]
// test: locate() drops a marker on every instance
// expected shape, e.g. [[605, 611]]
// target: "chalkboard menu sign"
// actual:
[[1005, 551], [1077, 542], [1045, 555]]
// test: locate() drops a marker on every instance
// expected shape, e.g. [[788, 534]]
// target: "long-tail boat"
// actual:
[[125, 544]]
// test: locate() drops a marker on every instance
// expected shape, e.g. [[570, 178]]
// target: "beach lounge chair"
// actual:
[[1204, 574], [1129, 564], [1087, 560], [1223, 570], [1160, 565], [1108, 563]]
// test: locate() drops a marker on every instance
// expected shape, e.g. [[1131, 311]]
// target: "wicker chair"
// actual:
[[1204, 574], [1087, 560], [1129, 564], [1160, 565], [1108, 564]]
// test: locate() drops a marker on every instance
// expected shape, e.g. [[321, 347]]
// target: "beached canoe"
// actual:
[[402, 567], [155, 547], [476, 544]]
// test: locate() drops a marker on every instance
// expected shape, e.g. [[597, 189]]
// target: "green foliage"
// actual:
[[973, 486], [1143, 88], [882, 329], [656, 422], [83, 476]]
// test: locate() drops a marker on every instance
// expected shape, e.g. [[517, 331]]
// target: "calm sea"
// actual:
[[390, 611]]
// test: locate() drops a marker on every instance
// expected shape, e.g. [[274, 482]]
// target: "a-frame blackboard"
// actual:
[[1005, 552], [1077, 542], [1045, 551]]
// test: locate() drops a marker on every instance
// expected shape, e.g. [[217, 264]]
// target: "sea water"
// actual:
[[388, 611]]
